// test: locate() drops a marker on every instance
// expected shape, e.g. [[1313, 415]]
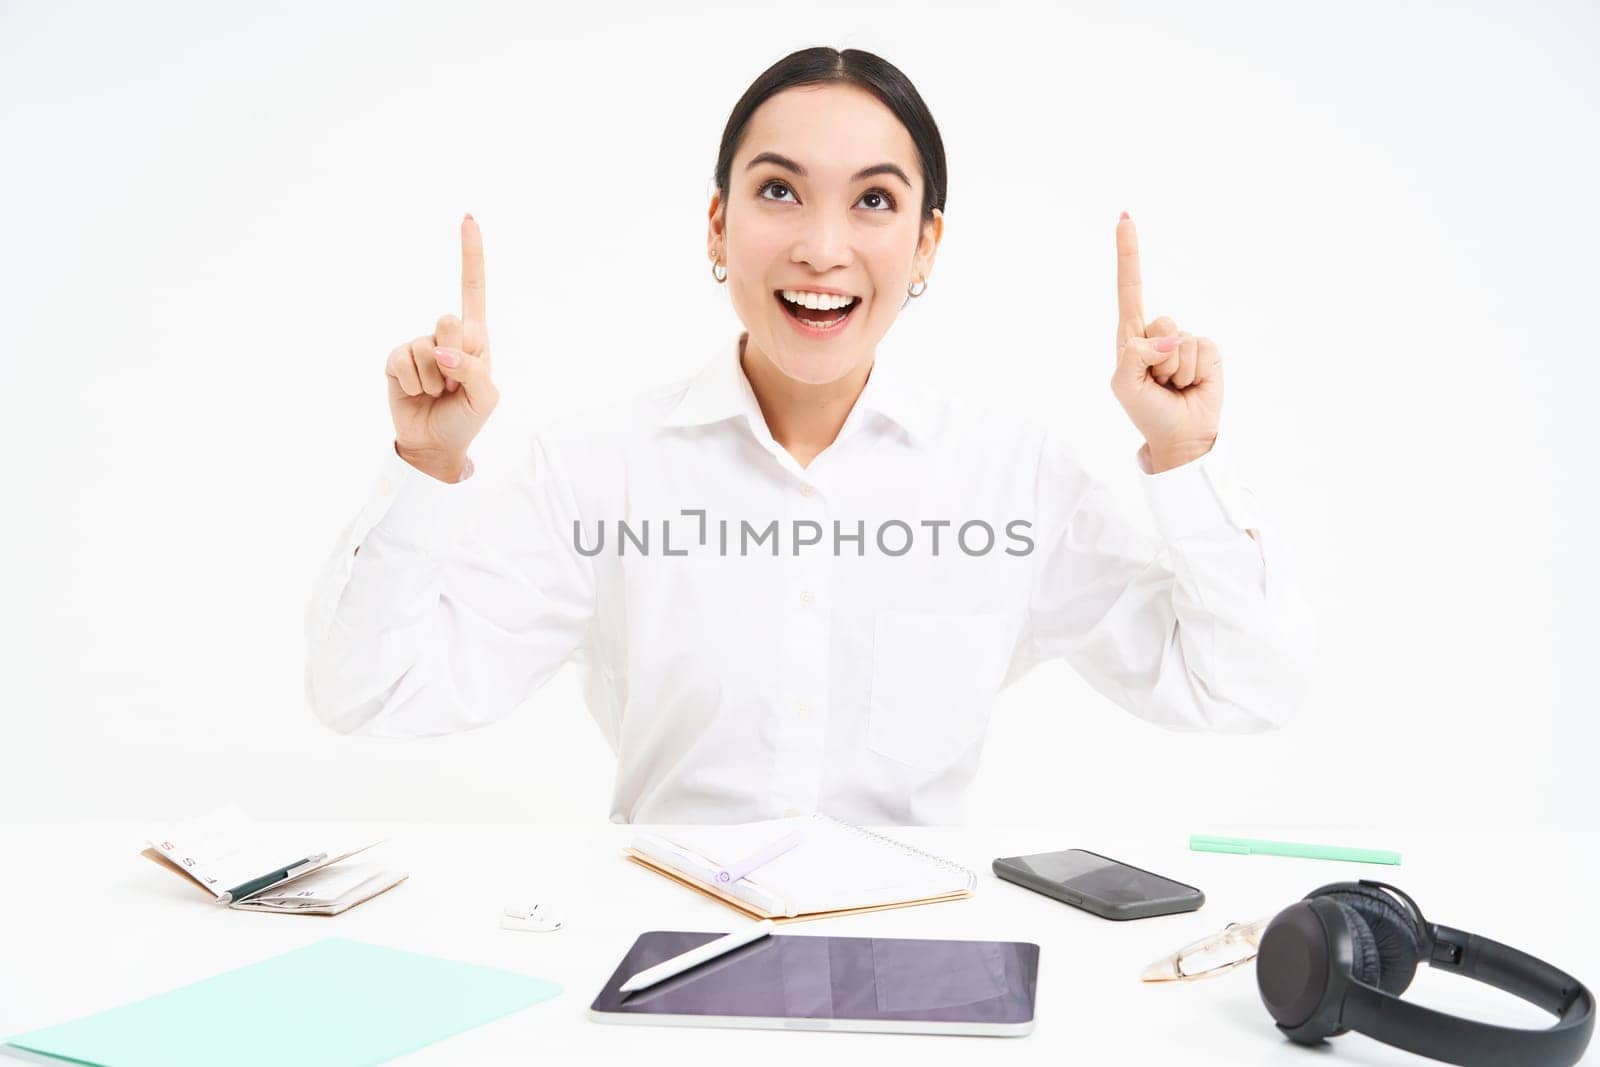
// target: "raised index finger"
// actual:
[[1130, 294], [472, 286]]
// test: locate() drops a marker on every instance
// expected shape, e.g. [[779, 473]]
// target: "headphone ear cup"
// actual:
[[1292, 970], [1295, 961], [1395, 935], [1366, 964]]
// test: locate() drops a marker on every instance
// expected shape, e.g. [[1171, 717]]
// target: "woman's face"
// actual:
[[823, 203]]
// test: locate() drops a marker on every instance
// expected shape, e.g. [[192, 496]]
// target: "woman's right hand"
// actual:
[[440, 391]]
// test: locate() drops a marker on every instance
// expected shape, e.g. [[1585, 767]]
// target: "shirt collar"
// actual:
[[721, 391]]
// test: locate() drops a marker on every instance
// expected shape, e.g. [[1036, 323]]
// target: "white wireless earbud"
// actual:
[[534, 917]]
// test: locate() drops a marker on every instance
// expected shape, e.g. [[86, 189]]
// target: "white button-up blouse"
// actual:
[[759, 638]]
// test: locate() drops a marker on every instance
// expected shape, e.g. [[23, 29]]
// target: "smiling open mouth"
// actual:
[[816, 313]]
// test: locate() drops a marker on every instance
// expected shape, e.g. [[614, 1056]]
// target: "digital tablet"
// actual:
[[803, 982]]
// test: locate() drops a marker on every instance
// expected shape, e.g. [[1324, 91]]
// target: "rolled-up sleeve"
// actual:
[[1201, 628], [444, 606]]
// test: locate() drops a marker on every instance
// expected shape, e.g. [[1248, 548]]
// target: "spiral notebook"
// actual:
[[836, 869]]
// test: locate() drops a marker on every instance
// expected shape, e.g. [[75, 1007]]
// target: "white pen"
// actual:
[[696, 956]]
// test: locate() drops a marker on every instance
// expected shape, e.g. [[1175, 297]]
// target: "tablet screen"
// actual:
[[796, 977]]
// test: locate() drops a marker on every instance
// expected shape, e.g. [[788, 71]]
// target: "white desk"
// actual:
[[86, 923]]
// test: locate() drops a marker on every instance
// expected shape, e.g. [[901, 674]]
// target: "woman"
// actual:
[[797, 580]]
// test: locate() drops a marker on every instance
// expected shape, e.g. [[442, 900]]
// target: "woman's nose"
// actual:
[[823, 246]]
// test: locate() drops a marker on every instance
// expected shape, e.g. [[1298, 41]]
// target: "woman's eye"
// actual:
[[775, 185], [877, 200], [873, 199]]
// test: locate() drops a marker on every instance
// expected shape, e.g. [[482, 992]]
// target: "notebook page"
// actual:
[[221, 849], [323, 887], [369, 884], [694, 867], [835, 866]]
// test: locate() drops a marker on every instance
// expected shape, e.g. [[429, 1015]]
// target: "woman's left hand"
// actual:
[[1167, 380]]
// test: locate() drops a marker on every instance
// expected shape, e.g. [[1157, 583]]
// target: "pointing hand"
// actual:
[[440, 390], [1168, 381]]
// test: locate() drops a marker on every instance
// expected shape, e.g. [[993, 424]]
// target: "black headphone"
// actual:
[[1339, 960]]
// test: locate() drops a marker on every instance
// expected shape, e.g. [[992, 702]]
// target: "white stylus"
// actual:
[[696, 956]]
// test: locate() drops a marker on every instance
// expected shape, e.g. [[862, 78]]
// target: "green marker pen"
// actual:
[[1244, 846]]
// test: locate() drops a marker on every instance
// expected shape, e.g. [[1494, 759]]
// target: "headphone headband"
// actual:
[[1453, 1039]]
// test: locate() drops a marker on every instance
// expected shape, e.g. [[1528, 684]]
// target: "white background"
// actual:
[[216, 223]]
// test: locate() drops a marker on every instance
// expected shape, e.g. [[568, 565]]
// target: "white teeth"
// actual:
[[817, 301]]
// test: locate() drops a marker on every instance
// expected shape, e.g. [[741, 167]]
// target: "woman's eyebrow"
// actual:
[[864, 172]]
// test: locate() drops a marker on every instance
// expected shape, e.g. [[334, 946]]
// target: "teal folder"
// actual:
[[335, 1002]]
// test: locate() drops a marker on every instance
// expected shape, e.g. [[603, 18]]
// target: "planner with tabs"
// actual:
[[835, 869], [252, 867]]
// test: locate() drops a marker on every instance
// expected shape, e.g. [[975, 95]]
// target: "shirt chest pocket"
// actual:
[[933, 680]]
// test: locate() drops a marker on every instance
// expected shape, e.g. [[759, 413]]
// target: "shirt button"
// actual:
[[806, 489], [802, 709], [789, 813], [807, 597], [386, 487]]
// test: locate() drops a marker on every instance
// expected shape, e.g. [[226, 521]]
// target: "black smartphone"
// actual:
[[1099, 884]]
